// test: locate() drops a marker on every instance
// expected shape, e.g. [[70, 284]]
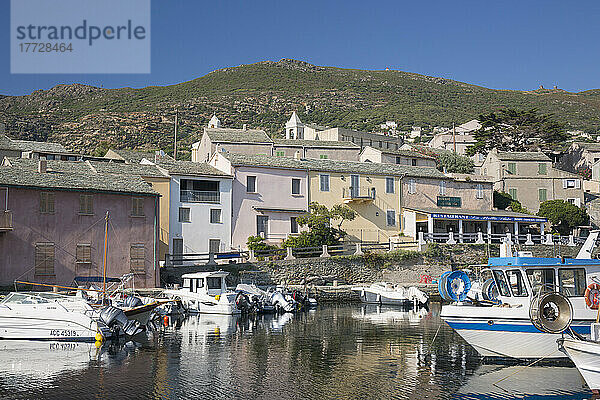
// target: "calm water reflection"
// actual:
[[346, 352]]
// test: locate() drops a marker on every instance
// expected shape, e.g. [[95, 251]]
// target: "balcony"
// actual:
[[199, 196], [360, 195], [6, 221]]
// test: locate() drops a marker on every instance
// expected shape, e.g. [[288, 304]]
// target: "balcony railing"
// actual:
[[199, 196], [358, 194], [6, 221]]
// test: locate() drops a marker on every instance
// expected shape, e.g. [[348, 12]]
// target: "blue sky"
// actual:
[[505, 45]]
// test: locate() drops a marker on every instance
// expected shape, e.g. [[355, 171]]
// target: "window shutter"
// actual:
[[43, 200], [564, 183], [578, 184], [50, 207], [578, 201]]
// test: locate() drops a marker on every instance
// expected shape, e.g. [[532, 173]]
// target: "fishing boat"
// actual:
[[386, 293], [47, 316], [206, 292], [503, 328]]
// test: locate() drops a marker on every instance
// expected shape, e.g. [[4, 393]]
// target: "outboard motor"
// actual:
[[280, 302], [116, 319], [242, 302], [132, 301]]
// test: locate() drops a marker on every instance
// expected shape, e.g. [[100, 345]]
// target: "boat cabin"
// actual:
[[520, 278], [210, 283]]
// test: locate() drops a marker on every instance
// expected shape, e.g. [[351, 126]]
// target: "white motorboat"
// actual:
[[585, 354], [386, 293], [48, 316], [206, 292], [505, 329]]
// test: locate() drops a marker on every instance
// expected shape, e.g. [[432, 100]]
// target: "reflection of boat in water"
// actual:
[[386, 293], [25, 360], [535, 381], [388, 314]]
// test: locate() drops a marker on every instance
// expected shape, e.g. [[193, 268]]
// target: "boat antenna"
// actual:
[[105, 252]]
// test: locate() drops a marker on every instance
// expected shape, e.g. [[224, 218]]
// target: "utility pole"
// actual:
[[175, 149], [454, 136]]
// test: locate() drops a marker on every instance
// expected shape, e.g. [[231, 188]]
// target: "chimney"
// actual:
[[42, 166], [245, 127]]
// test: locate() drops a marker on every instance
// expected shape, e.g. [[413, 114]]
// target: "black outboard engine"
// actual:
[[242, 302], [116, 319]]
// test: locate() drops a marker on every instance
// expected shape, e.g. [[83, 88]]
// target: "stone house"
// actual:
[[32, 149], [321, 149], [530, 178], [53, 223], [401, 157]]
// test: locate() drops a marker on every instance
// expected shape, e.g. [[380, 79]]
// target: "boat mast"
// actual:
[[105, 252]]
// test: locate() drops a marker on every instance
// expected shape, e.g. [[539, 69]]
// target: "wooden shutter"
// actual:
[[44, 259], [137, 207], [84, 254], [137, 256], [86, 204], [47, 202]]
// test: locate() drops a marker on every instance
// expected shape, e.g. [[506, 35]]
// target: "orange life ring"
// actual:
[[592, 296]]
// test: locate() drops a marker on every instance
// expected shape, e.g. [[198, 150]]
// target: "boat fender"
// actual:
[[217, 297], [592, 296], [132, 302]]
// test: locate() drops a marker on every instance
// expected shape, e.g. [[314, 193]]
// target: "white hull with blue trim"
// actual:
[[586, 357], [505, 329]]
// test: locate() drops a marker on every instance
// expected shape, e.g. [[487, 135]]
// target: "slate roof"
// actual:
[[522, 156], [231, 135], [406, 153], [589, 146], [69, 175], [191, 168], [7, 143], [132, 156], [119, 168], [311, 164], [314, 143], [429, 151]]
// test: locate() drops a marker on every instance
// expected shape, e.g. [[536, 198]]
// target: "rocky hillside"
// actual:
[[88, 119]]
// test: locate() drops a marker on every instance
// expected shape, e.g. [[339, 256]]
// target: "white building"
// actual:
[[199, 209]]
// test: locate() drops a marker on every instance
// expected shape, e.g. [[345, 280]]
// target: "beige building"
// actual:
[[321, 149], [401, 157], [530, 178]]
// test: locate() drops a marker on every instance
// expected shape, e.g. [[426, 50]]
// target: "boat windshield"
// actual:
[[213, 283], [516, 282], [571, 281], [501, 283], [541, 278], [22, 298]]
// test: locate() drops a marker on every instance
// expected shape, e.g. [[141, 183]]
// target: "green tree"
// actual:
[[563, 215], [324, 224], [504, 201], [451, 162], [514, 130]]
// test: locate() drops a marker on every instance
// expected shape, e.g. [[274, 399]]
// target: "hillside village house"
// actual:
[[579, 154], [268, 194], [401, 157], [296, 129], [530, 178], [199, 207], [456, 139], [31, 149], [257, 142], [55, 225]]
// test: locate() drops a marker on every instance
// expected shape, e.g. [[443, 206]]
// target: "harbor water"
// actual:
[[332, 352]]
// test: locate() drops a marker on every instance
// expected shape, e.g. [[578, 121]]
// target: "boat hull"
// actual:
[[586, 357], [47, 328]]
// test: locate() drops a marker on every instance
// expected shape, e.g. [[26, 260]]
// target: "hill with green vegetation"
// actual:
[[263, 95]]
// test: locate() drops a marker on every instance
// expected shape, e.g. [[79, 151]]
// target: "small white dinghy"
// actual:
[[48, 316], [206, 292], [386, 293]]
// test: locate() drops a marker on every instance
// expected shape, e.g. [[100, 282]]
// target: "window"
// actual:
[[214, 245], [137, 258], [442, 188], [513, 193], [501, 283], [86, 204], [280, 153], [83, 255], [571, 184], [389, 185], [215, 216], [571, 282], [184, 214], [412, 186], [538, 278], [323, 156], [295, 186], [213, 282], [512, 168], [262, 225], [398, 160], [517, 285], [542, 195], [413, 162], [293, 225], [177, 250], [391, 217], [542, 170], [137, 207], [479, 192], [47, 203], [324, 182], [199, 191], [251, 184], [44, 259], [574, 201]]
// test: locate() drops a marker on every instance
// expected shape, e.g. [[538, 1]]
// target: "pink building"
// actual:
[[268, 194], [52, 223]]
